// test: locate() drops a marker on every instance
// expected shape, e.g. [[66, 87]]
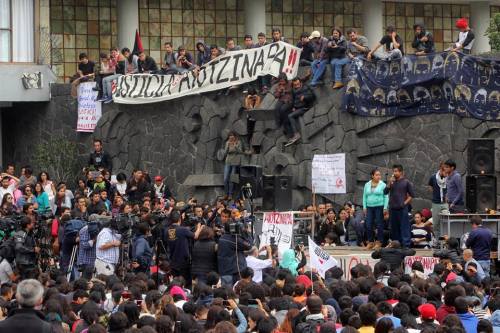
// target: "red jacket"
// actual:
[[443, 311]]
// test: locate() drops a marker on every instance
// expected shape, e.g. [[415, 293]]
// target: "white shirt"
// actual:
[[5, 271], [258, 265], [4, 191]]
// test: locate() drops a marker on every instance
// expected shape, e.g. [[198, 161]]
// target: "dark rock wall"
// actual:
[[182, 137]]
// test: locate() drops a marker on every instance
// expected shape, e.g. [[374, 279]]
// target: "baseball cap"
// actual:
[[427, 311], [315, 34], [158, 179]]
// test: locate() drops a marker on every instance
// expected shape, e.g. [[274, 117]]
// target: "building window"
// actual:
[[16, 31]]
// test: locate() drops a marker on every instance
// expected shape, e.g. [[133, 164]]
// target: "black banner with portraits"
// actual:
[[446, 82]]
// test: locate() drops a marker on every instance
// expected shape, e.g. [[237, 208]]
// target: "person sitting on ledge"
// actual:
[[393, 45], [423, 42], [283, 93], [465, 39], [146, 64], [106, 68], [303, 99], [184, 60], [85, 72]]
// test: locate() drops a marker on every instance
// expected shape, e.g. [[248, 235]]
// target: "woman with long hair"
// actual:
[[7, 207], [287, 325], [233, 150], [42, 198], [204, 254], [48, 185], [374, 204], [62, 200]]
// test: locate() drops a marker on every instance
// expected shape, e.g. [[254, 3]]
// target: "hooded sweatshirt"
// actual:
[[469, 321], [495, 321]]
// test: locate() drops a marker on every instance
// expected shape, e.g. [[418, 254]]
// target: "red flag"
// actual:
[[137, 44]]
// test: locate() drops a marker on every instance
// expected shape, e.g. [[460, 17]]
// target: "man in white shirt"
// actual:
[[107, 251], [258, 265], [6, 273], [7, 185]]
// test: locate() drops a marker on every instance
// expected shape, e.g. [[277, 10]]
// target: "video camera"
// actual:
[[9, 225], [124, 224], [238, 227]]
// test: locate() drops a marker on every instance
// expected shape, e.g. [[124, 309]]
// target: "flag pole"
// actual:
[[313, 227]]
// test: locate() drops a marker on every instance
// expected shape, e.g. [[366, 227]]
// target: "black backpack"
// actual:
[[7, 249], [310, 326]]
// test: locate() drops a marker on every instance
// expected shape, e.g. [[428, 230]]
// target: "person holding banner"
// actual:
[[375, 202]]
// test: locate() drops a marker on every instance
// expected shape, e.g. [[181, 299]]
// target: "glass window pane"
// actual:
[[4, 45], [5, 14]]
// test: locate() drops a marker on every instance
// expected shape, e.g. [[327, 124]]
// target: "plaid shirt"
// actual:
[[111, 255], [86, 251]]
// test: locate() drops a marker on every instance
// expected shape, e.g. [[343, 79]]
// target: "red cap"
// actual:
[[305, 280], [462, 23], [426, 213], [158, 179], [427, 311]]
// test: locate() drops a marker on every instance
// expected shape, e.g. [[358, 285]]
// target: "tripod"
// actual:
[[158, 243], [72, 261]]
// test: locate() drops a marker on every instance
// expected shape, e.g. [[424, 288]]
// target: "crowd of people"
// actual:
[[122, 254], [337, 50]]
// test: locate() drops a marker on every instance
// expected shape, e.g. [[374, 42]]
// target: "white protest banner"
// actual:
[[89, 111], [280, 226], [230, 69], [328, 174], [320, 259], [427, 262]]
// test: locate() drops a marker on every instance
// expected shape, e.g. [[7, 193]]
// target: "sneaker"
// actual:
[[102, 99], [109, 100], [338, 85], [294, 139]]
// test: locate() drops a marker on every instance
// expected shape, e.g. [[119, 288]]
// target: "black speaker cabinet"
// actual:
[[252, 174], [481, 193], [276, 193], [481, 156]]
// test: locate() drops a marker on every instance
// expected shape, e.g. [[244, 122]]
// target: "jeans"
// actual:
[[293, 119], [436, 220], [389, 55], [107, 85], [400, 226], [352, 243], [228, 184], [229, 280], [375, 218], [281, 111], [337, 65], [485, 264], [318, 69]]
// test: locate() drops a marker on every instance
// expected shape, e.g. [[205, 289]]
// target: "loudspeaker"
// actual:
[[481, 193], [276, 193], [251, 174], [481, 156]]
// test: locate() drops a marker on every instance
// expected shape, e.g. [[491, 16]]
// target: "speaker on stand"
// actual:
[[252, 175], [277, 193], [481, 182]]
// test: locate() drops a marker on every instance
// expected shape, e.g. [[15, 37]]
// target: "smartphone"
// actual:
[[138, 302], [126, 294], [226, 303], [253, 302]]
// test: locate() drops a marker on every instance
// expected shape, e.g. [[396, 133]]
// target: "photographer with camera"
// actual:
[[87, 250], [107, 250], [26, 250], [179, 241], [231, 252], [142, 253]]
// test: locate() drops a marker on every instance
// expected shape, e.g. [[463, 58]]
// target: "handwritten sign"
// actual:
[[328, 174], [349, 261], [89, 111], [427, 262], [280, 226]]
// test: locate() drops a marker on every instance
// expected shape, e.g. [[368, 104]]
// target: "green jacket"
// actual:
[[375, 198]]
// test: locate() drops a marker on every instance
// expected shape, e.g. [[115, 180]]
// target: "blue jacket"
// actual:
[[495, 321], [479, 241], [230, 254], [142, 253], [469, 321]]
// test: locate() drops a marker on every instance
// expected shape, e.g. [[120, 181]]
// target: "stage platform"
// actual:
[[355, 250]]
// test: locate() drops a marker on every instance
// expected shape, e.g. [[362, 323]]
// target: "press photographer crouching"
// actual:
[[26, 250], [231, 251]]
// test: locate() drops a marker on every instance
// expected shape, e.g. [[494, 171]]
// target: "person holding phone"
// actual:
[[258, 265], [232, 150]]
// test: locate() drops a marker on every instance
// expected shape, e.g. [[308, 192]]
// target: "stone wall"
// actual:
[[181, 138]]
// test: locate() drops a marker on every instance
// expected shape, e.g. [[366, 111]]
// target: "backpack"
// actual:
[[7, 249], [310, 326], [71, 229]]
